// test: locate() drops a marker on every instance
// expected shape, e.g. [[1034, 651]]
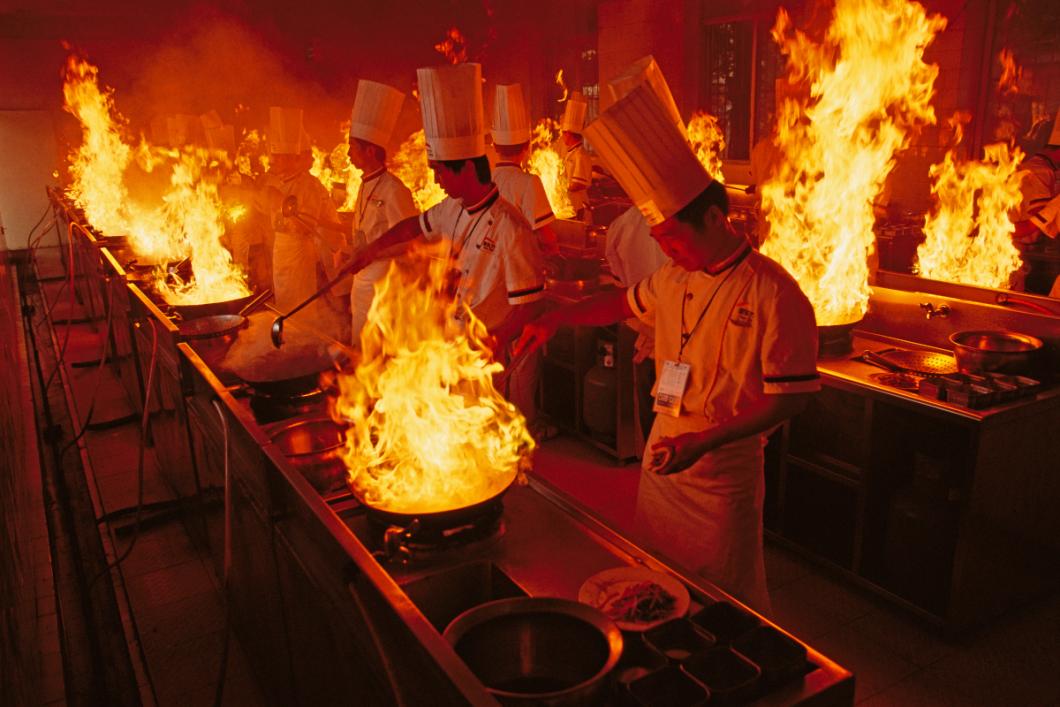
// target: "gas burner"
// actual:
[[422, 537], [267, 408]]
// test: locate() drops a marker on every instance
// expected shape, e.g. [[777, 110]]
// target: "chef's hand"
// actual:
[[671, 455], [534, 335]]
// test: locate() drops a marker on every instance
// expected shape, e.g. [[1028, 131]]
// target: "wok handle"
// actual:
[[253, 304], [875, 359]]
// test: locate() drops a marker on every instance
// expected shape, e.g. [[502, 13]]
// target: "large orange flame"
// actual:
[[546, 163], [707, 140], [969, 232], [1011, 73], [563, 85], [186, 221], [453, 47], [411, 167], [428, 431], [869, 92], [334, 166]]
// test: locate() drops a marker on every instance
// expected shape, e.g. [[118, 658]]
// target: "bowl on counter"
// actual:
[[996, 351], [314, 447], [538, 650]]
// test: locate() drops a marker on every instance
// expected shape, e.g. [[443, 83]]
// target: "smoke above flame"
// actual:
[[968, 231], [428, 431], [869, 92]]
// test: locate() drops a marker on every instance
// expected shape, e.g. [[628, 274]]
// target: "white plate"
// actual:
[[604, 587]]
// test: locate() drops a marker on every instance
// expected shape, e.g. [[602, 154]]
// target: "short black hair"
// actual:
[[380, 151], [511, 151], [482, 167], [693, 212]]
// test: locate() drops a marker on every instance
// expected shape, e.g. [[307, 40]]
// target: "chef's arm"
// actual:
[[518, 317], [603, 309], [674, 454], [394, 242]]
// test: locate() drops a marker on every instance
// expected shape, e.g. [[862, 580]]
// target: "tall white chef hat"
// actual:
[[647, 154], [574, 113], [285, 131], [1054, 137], [376, 108], [451, 100], [646, 70], [511, 120]]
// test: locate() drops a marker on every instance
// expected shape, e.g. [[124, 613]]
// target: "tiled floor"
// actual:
[[174, 599], [897, 661]]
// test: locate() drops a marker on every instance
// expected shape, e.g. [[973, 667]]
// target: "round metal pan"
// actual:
[[436, 520], [209, 327], [925, 362], [209, 309]]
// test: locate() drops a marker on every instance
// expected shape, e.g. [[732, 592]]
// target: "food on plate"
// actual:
[[638, 602]]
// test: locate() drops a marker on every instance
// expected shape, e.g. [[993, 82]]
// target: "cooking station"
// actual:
[[333, 606]]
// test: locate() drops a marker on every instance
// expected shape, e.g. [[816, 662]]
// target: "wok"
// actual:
[[283, 376], [995, 351], [435, 521], [220, 324], [209, 309]]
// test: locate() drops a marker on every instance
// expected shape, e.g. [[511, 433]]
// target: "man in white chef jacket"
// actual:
[[1039, 211], [511, 140], [577, 164], [491, 245], [300, 242], [383, 200], [735, 351]]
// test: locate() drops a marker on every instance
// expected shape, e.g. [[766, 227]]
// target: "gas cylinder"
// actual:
[[600, 393]]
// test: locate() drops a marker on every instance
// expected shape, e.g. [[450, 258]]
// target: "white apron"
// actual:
[[708, 518]]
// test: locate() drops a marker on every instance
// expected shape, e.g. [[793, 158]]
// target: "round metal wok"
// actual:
[[283, 375], [220, 324], [209, 309], [435, 520]]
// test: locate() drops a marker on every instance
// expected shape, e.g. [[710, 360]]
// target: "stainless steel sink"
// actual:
[[442, 596]]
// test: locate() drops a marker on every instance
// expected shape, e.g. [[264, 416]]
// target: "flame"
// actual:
[[562, 84], [969, 232], [1011, 74], [428, 431], [410, 166], [185, 220], [869, 92], [334, 166], [545, 162], [707, 140], [453, 47], [235, 212]]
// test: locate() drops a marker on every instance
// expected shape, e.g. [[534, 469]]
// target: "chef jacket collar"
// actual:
[[374, 175], [485, 202], [730, 262]]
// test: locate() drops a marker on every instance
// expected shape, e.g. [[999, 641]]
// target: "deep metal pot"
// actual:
[[835, 339], [537, 650], [996, 351], [314, 447]]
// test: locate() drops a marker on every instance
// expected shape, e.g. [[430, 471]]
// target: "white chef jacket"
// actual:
[[578, 167], [756, 336], [492, 246], [1039, 187], [296, 249], [631, 253], [382, 202], [525, 191]]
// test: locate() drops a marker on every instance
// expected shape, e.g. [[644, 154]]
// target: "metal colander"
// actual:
[[926, 362]]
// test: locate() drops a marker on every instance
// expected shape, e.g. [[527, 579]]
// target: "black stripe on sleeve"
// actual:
[[427, 222], [791, 379], [527, 291]]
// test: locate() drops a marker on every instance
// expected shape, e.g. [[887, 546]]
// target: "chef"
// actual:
[[511, 140], [491, 246], [299, 242], [383, 199], [577, 164], [735, 351], [1039, 179]]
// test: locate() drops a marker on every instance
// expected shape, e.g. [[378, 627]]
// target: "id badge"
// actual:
[[671, 388]]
